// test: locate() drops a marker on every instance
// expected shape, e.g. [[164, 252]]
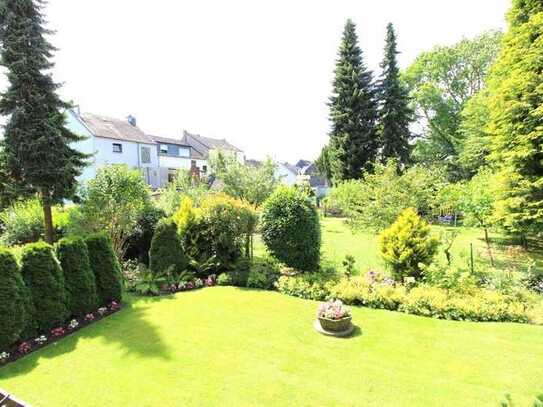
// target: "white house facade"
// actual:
[[286, 173]]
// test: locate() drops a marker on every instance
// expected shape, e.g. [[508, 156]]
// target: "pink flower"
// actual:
[[24, 347], [89, 317], [58, 332]]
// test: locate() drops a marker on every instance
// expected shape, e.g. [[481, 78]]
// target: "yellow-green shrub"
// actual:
[[406, 244]]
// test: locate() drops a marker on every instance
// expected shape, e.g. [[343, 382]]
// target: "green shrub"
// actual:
[[105, 267], [263, 274], [166, 253], [406, 244], [43, 276], [291, 229], [361, 291], [221, 228], [12, 309], [31, 324], [224, 279], [138, 244], [240, 272], [78, 276], [23, 222]]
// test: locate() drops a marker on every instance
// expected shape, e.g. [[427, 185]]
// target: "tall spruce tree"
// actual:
[[36, 152], [353, 112], [395, 115], [516, 120]]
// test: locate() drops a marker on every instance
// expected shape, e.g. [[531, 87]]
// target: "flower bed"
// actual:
[[23, 348]]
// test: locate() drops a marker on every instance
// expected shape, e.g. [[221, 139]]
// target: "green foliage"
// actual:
[[12, 309], [37, 149], [184, 186], [105, 267], [166, 253], [263, 274], [395, 113], [291, 229], [374, 202], [253, 184], [224, 279], [150, 283], [304, 286], [406, 244], [353, 112], [358, 290], [112, 202], [23, 222], [442, 81], [43, 276], [220, 229], [79, 279], [515, 87], [139, 242]]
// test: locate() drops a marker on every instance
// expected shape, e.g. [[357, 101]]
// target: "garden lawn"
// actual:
[[237, 347], [338, 240]]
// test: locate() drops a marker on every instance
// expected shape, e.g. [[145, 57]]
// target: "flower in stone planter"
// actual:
[[73, 324], [24, 347], [89, 317], [4, 356], [40, 340], [333, 310], [58, 332]]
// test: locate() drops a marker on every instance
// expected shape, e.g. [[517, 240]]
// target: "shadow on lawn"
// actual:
[[126, 328]]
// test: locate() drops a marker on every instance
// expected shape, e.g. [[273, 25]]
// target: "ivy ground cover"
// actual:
[[237, 347]]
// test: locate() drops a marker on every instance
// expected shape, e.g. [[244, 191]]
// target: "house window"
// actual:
[[193, 164], [172, 174], [163, 149], [184, 152], [146, 155], [117, 148], [204, 169]]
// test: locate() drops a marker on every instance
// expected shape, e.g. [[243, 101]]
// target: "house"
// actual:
[[208, 146], [114, 141], [287, 173], [309, 173]]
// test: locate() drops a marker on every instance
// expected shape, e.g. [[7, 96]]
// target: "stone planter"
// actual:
[[335, 325]]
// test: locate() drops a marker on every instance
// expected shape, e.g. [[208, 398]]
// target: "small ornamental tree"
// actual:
[[105, 267], [12, 310], [31, 324], [406, 244], [166, 253], [43, 276], [291, 229], [79, 278]]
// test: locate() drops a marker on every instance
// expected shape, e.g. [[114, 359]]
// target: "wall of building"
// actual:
[[286, 176], [85, 146]]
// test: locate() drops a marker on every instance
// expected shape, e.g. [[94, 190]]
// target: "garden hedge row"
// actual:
[[48, 289]]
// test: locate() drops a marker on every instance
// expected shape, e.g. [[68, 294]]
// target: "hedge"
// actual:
[[43, 276], [12, 310], [78, 276], [105, 267], [166, 253]]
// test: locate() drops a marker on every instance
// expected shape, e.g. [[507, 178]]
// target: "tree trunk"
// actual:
[[47, 217], [487, 240]]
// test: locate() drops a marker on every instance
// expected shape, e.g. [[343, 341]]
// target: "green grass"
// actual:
[[338, 240], [231, 347]]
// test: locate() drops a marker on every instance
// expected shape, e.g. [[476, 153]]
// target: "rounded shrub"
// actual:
[[406, 244], [291, 229], [12, 310], [78, 276], [105, 267], [43, 276], [166, 254]]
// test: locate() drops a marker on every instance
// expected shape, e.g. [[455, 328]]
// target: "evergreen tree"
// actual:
[[353, 112], [516, 119], [36, 145], [394, 113]]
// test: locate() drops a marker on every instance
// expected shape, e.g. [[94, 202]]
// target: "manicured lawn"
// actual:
[[339, 240], [233, 347]]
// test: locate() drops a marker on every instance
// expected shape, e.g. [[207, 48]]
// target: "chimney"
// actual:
[[131, 120]]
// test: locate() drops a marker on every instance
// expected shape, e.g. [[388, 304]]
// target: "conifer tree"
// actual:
[[36, 152], [353, 112], [394, 111], [516, 119]]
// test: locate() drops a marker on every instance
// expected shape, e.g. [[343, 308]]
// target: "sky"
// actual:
[[257, 73]]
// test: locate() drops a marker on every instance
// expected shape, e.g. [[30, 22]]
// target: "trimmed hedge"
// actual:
[[166, 252], [78, 276], [105, 267], [43, 276], [291, 229], [12, 310]]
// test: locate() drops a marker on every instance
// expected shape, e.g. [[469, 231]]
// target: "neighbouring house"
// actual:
[[309, 173], [287, 173], [208, 146], [114, 141]]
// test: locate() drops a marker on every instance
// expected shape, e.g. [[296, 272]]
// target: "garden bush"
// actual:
[[80, 283], [138, 243], [105, 267], [263, 274], [166, 254], [12, 309], [221, 229], [291, 229], [43, 276], [406, 244]]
